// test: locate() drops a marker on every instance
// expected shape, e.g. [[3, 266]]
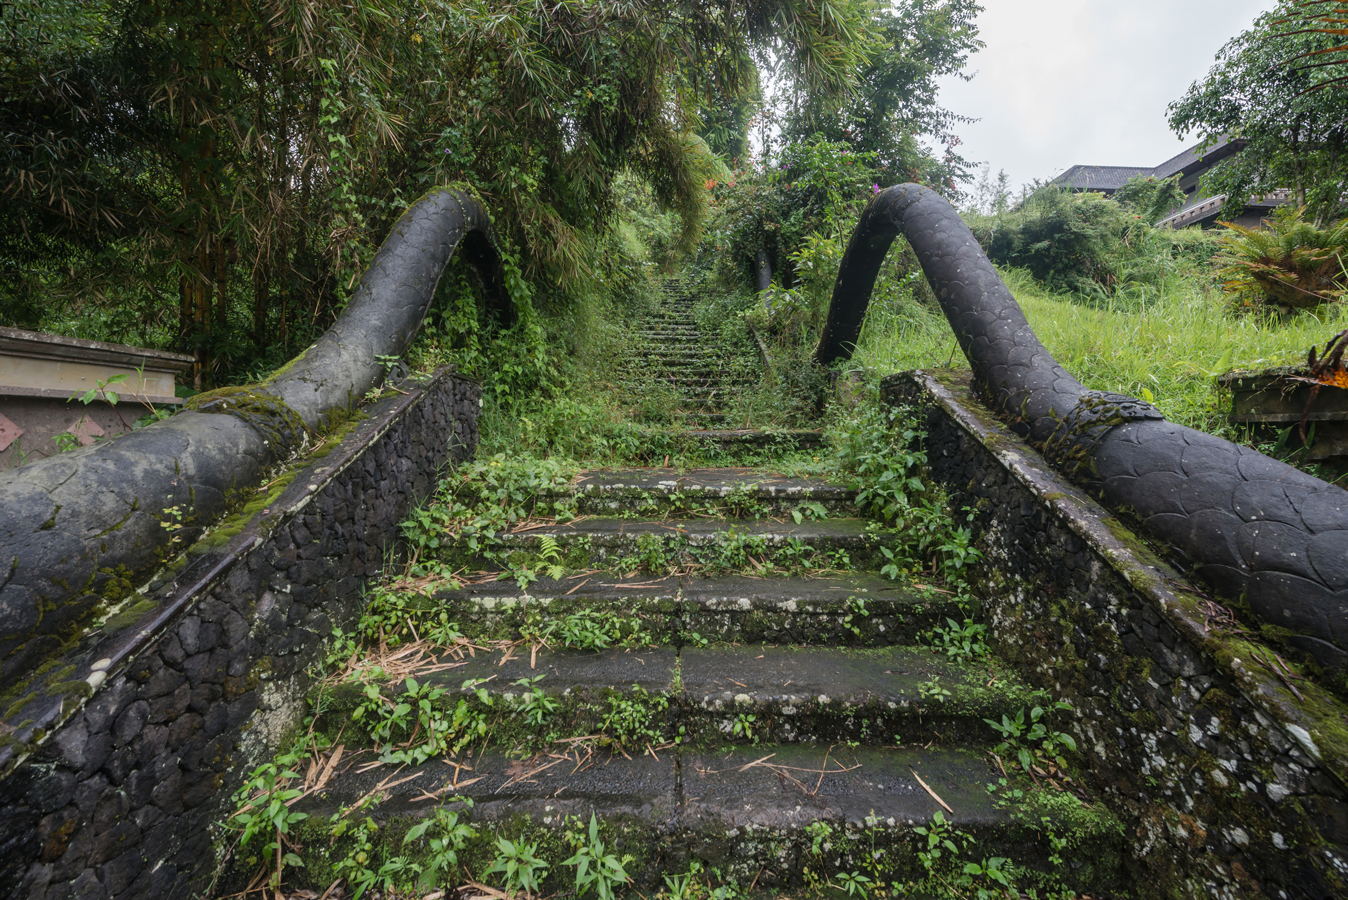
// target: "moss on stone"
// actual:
[[265, 413], [130, 616]]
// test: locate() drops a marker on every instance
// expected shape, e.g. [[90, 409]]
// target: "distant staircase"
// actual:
[[676, 365]]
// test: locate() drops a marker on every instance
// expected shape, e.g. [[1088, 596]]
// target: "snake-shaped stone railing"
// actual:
[[80, 527], [1247, 524]]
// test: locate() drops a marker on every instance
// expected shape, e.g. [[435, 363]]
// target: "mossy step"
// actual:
[[709, 695], [785, 439], [827, 695], [772, 816], [851, 610], [656, 491], [718, 544]]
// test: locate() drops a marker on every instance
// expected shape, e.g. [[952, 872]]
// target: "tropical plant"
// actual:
[[1289, 262]]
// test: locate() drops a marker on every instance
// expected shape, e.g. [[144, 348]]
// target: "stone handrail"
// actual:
[[85, 526], [1245, 523]]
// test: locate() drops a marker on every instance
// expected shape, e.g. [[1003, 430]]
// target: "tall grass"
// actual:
[[1173, 345]]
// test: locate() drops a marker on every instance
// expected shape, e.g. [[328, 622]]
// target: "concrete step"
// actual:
[[757, 815], [718, 545], [785, 438], [741, 490], [848, 610], [736, 694]]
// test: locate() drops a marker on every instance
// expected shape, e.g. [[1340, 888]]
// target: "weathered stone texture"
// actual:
[[1222, 796], [119, 801]]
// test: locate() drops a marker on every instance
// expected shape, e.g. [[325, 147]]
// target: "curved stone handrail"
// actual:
[[1244, 522], [88, 524]]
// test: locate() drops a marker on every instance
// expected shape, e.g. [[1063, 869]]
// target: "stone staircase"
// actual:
[[688, 383], [671, 356], [776, 731]]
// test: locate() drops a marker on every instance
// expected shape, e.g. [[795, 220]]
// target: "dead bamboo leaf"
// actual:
[[935, 796]]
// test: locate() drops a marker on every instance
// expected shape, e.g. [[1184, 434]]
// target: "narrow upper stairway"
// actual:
[[718, 714], [672, 355]]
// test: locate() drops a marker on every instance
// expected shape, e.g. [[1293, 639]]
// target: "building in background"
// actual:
[[1190, 166]]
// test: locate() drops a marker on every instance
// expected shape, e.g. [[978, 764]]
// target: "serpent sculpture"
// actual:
[[81, 526], [1245, 523]]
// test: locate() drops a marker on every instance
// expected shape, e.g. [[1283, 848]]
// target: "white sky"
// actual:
[[1062, 82]]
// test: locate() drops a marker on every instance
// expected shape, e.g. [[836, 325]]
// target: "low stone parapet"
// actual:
[[119, 756], [1229, 768]]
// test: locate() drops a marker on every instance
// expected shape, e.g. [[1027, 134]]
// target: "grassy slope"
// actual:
[[1173, 346]]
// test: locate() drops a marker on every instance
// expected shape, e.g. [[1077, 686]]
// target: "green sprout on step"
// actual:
[[597, 870], [933, 690], [1032, 738], [519, 865], [535, 704]]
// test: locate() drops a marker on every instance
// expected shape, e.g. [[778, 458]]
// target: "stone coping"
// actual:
[[36, 345], [85, 667], [1315, 721]]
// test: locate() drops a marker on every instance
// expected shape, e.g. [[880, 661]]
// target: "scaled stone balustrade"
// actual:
[[88, 525], [1247, 524]]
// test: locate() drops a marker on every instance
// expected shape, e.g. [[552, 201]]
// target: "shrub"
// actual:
[[1290, 263]]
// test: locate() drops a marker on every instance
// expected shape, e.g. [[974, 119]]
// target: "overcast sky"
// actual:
[[1063, 82]]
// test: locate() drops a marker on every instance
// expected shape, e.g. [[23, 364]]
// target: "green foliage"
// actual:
[[935, 841], [393, 614], [1032, 738], [1098, 249], [1066, 240], [684, 886], [586, 629], [416, 726], [262, 809], [913, 44], [1172, 342], [482, 501], [933, 690], [101, 392], [357, 867], [235, 219], [1150, 197], [1288, 263], [597, 870], [634, 719], [519, 866], [856, 884], [745, 727], [877, 447], [961, 641], [1295, 136], [447, 841], [534, 703]]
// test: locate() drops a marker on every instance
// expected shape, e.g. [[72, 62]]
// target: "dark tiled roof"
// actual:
[[1099, 178], [1191, 160], [1111, 178]]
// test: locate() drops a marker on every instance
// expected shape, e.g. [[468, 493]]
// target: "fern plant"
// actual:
[[1289, 263]]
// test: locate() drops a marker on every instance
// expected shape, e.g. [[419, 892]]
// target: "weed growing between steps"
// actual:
[[879, 448]]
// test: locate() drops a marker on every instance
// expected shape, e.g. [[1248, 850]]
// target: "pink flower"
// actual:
[[875, 189]]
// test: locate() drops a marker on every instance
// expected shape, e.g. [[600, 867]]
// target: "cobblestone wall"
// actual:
[[118, 799], [1232, 782]]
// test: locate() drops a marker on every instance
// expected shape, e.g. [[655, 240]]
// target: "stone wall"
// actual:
[[1231, 776], [110, 791]]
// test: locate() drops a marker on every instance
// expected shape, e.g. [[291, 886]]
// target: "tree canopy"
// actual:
[[894, 105], [218, 173], [1296, 135]]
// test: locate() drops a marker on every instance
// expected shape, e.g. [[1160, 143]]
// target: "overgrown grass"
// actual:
[[1173, 344]]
